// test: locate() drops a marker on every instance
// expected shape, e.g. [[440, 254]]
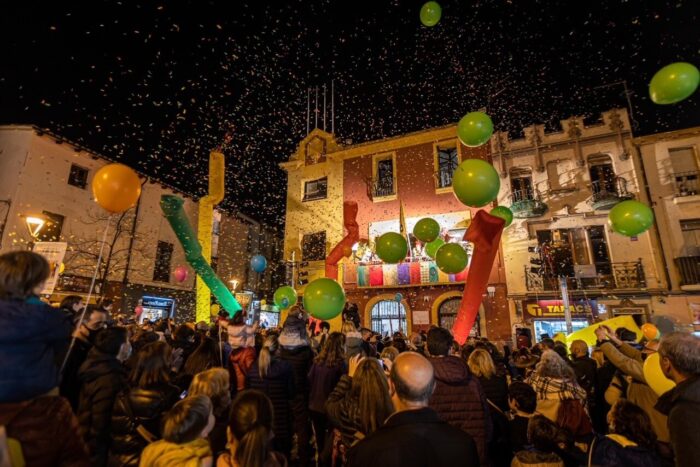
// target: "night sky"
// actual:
[[158, 84]]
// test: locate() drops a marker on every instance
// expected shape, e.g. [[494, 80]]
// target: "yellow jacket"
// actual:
[[165, 454]]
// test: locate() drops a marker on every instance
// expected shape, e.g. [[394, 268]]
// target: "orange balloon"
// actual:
[[650, 331], [116, 187]]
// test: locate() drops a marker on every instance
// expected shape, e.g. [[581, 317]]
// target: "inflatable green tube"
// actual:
[[172, 209]]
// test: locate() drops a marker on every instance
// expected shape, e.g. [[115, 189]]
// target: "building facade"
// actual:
[[411, 172], [44, 175]]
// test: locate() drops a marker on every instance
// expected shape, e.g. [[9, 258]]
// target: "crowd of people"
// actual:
[[78, 388]]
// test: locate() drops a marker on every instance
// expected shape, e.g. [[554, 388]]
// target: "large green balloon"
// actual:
[[451, 258], [673, 83], [426, 230], [324, 299], [391, 247], [430, 14], [630, 218], [432, 247], [504, 213], [285, 297], [475, 183], [475, 129]]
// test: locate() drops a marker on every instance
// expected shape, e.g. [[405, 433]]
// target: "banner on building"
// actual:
[[555, 308], [53, 252]]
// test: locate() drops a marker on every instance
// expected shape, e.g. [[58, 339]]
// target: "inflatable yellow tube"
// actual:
[[588, 334]]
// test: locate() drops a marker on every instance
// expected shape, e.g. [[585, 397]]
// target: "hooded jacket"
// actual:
[[102, 377], [32, 338], [682, 406], [278, 385], [165, 454], [460, 401]]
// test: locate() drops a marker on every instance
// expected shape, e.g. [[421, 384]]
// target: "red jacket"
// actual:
[[47, 431], [240, 362]]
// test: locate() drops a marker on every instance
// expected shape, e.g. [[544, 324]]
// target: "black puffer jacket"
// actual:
[[133, 408], [278, 385], [102, 377], [496, 390]]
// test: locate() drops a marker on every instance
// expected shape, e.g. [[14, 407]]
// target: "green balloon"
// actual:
[[630, 218], [391, 247], [475, 183], [432, 247], [285, 297], [475, 129], [673, 83], [504, 213], [430, 14], [426, 230], [324, 299], [451, 258]]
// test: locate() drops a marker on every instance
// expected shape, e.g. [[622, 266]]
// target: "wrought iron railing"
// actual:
[[689, 267], [686, 183], [443, 177], [607, 193], [627, 275], [380, 187], [527, 203]]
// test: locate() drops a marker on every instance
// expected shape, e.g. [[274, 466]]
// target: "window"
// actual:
[[313, 247], [602, 175], [691, 237], [447, 314], [51, 232], [164, 255], [447, 161], [316, 189], [384, 173], [521, 184], [78, 176], [388, 316], [563, 249], [685, 171]]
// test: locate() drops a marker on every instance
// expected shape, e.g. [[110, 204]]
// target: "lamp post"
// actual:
[[34, 225], [234, 284]]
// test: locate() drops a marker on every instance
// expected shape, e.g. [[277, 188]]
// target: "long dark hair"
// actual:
[[250, 424], [371, 390], [152, 365], [333, 350], [205, 356], [630, 421]]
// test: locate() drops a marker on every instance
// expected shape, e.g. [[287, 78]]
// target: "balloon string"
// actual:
[[87, 301]]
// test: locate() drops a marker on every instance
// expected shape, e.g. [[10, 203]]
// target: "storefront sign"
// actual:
[[54, 253], [555, 308]]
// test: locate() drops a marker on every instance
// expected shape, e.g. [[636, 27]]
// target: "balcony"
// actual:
[[607, 193], [689, 268], [382, 187], [443, 177], [600, 276], [526, 204], [685, 184], [413, 273]]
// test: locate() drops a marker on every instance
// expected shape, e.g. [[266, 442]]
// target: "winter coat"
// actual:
[[415, 438], [629, 360], [343, 412], [496, 390], [300, 358], [322, 380], [586, 372], [70, 384], [532, 458], [241, 335], [240, 361], [616, 450], [275, 459], [47, 432], [460, 401], [165, 454], [682, 406], [102, 378], [278, 385], [133, 408], [32, 338]]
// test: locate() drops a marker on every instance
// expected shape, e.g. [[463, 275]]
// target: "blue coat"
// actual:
[[33, 336]]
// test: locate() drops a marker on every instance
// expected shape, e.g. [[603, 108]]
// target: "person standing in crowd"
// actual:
[[249, 433], [185, 432], [353, 340], [214, 383], [604, 376], [544, 440], [631, 441], [680, 362], [495, 385], [241, 338], [351, 313], [72, 306], [32, 334], [275, 378], [207, 355], [559, 397], [325, 373], [523, 403], [320, 339], [139, 409], [630, 362], [106, 305], [102, 377], [414, 435], [358, 405], [584, 367], [458, 398], [93, 321], [184, 341]]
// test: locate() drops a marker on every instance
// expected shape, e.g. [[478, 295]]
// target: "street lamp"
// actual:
[[34, 225], [234, 284]]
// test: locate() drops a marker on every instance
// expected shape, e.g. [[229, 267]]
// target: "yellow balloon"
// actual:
[[215, 308], [655, 377], [61, 268], [116, 187]]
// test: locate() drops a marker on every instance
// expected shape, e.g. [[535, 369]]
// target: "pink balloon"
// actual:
[[181, 273], [138, 310]]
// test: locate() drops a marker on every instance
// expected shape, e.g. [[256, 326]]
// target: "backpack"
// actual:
[[574, 418]]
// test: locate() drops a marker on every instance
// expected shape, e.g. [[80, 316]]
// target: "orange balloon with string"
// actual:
[[116, 188]]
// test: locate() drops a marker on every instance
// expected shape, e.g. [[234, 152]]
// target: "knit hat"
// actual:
[[353, 343], [294, 330]]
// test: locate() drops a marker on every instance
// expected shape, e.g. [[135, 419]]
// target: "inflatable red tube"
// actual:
[[485, 233], [350, 210]]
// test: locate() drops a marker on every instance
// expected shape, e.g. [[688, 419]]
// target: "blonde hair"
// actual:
[[213, 383], [348, 326], [390, 352], [269, 348], [481, 364]]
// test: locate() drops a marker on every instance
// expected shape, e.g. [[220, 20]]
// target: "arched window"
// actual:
[[388, 316], [447, 313]]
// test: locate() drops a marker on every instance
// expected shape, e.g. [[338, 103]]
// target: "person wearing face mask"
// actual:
[[72, 306], [93, 321], [102, 377]]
